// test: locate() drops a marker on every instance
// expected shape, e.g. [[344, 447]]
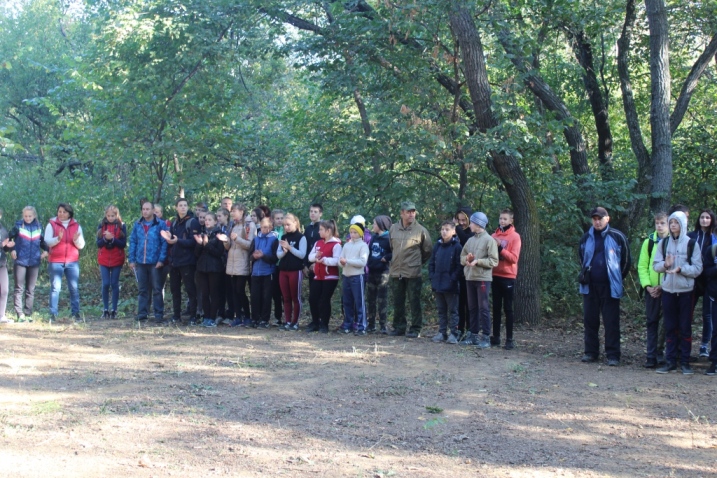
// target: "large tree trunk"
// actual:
[[660, 106], [507, 167]]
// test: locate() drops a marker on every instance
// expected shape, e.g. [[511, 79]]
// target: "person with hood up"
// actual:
[[680, 261]]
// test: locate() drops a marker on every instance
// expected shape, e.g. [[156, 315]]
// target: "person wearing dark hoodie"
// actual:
[[681, 262], [29, 250], [209, 275], [180, 238], [703, 238], [710, 270], [463, 233], [444, 270], [379, 259], [605, 259], [504, 274]]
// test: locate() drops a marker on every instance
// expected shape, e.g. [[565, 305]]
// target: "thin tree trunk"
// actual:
[[507, 168]]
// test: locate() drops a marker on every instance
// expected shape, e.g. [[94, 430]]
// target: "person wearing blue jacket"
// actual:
[[605, 259], [147, 254], [29, 250], [264, 256], [445, 269]]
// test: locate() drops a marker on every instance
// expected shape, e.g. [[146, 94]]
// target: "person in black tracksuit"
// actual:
[[209, 275], [379, 260]]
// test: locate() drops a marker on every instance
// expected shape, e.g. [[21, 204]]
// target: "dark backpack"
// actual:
[[690, 249]]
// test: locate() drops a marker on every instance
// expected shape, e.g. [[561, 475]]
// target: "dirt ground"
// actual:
[[106, 398]]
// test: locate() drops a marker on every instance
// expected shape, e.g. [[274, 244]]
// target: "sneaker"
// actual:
[[439, 337], [52, 318], [5, 320], [77, 318], [193, 323], [106, 315], [712, 369], [311, 328], [236, 323], [650, 363], [451, 339], [483, 342], [613, 362], [113, 314], [384, 330], [345, 331], [323, 330], [263, 325], [140, 319], [210, 323], [494, 341], [686, 369], [509, 344], [294, 327], [286, 327], [468, 339], [22, 318], [703, 351], [396, 333], [360, 332], [587, 358], [370, 330], [159, 321], [667, 368], [413, 335], [175, 320]]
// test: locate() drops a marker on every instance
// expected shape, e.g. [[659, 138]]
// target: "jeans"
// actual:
[[71, 270], [110, 280], [447, 305], [402, 287], [354, 303], [149, 277], [377, 298], [677, 313], [25, 280], [479, 306]]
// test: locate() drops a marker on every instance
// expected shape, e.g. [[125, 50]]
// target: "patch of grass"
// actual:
[[434, 423], [435, 410], [46, 407]]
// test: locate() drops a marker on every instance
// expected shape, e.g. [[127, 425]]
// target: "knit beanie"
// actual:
[[384, 222], [357, 227], [480, 219], [358, 219]]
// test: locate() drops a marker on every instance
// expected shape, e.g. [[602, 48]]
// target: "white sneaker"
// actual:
[[5, 320]]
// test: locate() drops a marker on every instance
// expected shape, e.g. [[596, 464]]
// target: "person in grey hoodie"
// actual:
[[681, 262]]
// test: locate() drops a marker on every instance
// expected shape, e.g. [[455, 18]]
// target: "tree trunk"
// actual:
[[661, 189], [507, 167]]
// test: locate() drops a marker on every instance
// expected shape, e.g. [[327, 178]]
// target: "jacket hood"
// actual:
[[453, 240], [465, 210], [680, 216]]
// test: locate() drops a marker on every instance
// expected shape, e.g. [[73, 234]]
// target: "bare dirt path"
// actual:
[[108, 399]]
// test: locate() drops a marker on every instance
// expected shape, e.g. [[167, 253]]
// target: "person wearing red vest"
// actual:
[[111, 243], [325, 256], [63, 235]]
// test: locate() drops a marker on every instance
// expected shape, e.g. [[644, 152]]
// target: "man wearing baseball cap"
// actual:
[[605, 260], [412, 246]]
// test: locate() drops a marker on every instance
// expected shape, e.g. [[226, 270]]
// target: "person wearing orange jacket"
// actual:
[[504, 275]]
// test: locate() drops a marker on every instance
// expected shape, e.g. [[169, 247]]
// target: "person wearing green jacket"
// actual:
[[651, 282]]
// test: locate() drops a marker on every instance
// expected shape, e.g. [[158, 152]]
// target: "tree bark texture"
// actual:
[[661, 190], [507, 167]]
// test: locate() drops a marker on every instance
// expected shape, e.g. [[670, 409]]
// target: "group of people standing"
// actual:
[[676, 267], [214, 257]]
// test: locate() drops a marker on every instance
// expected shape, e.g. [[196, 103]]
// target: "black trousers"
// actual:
[[595, 304], [177, 277], [261, 292], [503, 300]]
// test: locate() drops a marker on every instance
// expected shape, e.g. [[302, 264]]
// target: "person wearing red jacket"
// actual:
[[111, 243], [504, 275]]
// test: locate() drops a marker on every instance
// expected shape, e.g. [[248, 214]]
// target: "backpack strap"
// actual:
[[690, 249]]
